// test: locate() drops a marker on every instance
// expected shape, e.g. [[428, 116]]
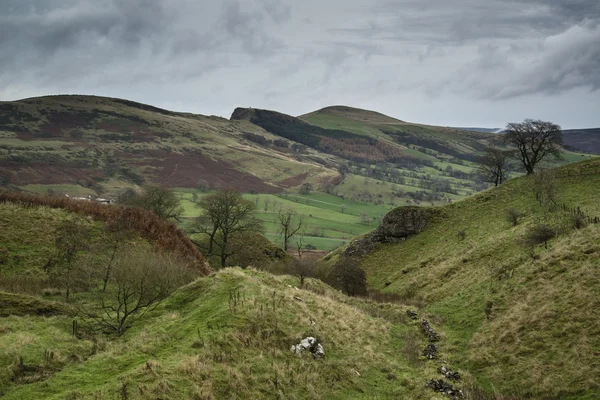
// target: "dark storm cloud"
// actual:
[[295, 54], [516, 47], [104, 34]]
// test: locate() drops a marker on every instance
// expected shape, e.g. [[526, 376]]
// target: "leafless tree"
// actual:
[[289, 224], [139, 282], [493, 165], [225, 214], [72, 239], [160, 200], [534, 140]]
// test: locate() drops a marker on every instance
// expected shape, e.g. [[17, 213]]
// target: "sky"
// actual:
[[442, 62]]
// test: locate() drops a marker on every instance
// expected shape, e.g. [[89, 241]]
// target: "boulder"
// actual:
[[311, 344], [448, 373], [443, 387], [412, 315], [430, 351], [429, 332]]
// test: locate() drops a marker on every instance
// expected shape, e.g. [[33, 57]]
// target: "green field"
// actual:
[[329, 220]]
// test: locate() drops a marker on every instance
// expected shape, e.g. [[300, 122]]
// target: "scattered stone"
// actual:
[[428, 330], [430, 351], [412, 315], [311, 344], [443, 387], [298, 298], [448, 373]]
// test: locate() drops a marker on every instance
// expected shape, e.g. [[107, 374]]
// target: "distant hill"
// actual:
[[356, 114], [93, 141], [84, 145], [486, 130], [585, 140]]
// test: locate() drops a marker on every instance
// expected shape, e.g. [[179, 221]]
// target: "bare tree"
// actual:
[[118, 231], [364, 218], [225, 214], [160, 200], [140, 281], [534, 140], [72, 238], [302, 269], [493, 165], [343, 207], [289, 224]]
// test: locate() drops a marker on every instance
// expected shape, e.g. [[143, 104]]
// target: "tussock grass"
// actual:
[[229, 336], [524, 324]]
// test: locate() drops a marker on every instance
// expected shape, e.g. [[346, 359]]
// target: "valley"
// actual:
[[416, 277]]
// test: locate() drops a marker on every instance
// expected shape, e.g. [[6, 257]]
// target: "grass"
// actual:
[[327, 227], [537, 308], [200, 345]]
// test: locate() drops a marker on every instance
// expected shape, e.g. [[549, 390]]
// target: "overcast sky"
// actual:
[[444, 62]]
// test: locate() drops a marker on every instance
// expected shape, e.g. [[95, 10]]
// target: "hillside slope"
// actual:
[[88, 140], [202, 344], [524, 323]]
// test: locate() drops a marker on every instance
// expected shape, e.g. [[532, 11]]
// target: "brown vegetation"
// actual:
[[163, 234]]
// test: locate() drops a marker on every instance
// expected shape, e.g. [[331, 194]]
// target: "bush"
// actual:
[[348, 276], [513, 216], [539, 234], [578, 221]]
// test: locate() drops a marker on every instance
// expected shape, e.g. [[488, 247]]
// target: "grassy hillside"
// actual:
[[104, 144], [223, 336], [200, 344], [525, 324]]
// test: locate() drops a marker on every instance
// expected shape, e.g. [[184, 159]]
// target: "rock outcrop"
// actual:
[[398, 225], [439, 385], [311, 344], [448, 373], [429, 332]]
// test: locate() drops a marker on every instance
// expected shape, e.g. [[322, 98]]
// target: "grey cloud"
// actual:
[[278, 51]]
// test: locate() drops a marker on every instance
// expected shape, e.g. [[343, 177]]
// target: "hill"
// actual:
[[353, 159], [585, 140], [356, 114], [202, 344], [520, 318], [110, 143]]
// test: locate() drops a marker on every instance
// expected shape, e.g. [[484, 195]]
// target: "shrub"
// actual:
[[348, 276], [578, 221], [513, 216], [539, 234]]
